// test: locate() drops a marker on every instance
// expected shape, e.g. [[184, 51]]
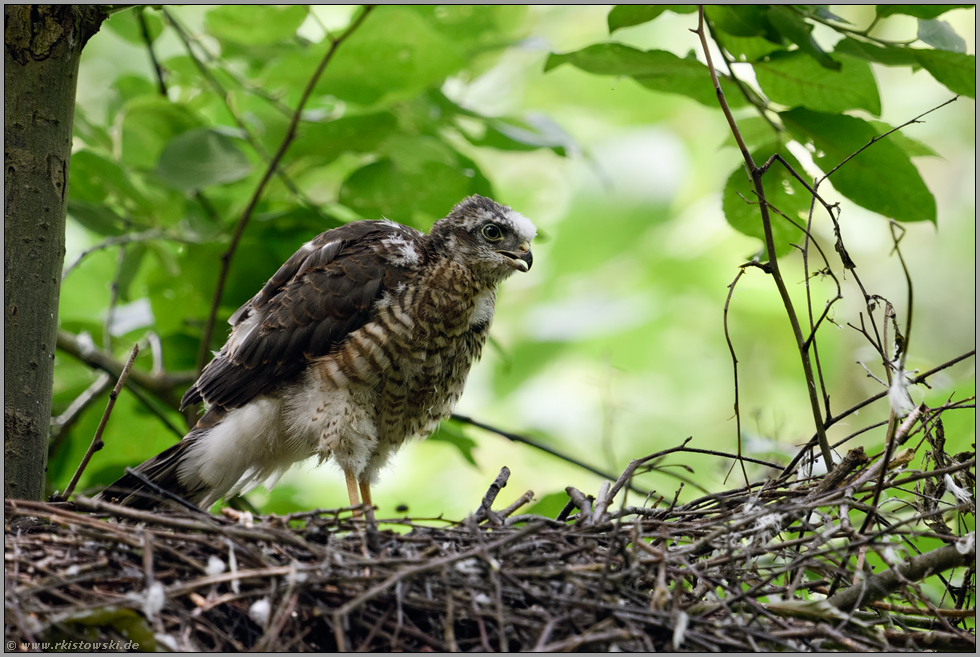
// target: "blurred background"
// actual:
[[611, 348]]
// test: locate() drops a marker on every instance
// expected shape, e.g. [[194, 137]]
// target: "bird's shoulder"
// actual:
[[327, 289]]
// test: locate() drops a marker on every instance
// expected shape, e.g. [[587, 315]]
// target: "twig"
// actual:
[[492, 492], [61, 423], [118, 240], [162, 385], [772, 265], [524, 440], [921, 378], [250, 136], [97, 443], [145, 33], [878, 138], [518, 503], [916, 569], [627, 475], [731, 350], [287, 140]]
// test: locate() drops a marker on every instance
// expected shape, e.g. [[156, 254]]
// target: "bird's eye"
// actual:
[[493, 233]]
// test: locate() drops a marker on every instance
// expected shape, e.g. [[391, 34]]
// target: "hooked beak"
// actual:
[[522, 259]]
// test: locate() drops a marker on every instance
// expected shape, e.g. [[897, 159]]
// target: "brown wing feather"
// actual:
[[323, 292]]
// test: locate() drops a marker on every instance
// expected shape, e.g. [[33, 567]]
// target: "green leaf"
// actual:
[[783, 192], [956, 71], [743, 21], [755, 131], [383, 189], [123, 620], [880, 178], [940, 34], [93, 135], [129, 268], [795, 28], [180, 285], [654, 69], [912, 147], [202, 157], [324, 141], [99, 219], [474, 25], [919, 11], [148, 124], [514, 135], [629, 15], [255, 24], [451, 432], [394, 55], [748, 49], [131, 86], [794, 79], [99, 180], [887, 55], [127, 25]]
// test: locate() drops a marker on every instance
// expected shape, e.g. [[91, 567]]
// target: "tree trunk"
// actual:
[[43, 47]]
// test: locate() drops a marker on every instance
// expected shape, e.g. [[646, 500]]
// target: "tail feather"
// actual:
[[162, 470], [168, 471]]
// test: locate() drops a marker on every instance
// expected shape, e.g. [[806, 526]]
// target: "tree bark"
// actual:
[[43, 45]]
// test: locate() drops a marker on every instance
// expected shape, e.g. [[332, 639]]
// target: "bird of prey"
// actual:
[[362, 340]]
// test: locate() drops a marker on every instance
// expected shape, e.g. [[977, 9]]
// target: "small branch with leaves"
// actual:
[[229, 254]]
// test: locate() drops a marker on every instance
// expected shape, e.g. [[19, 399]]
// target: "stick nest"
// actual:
[[781, 565]]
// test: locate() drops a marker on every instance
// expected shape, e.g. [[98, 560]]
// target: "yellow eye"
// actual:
[[493, 233]]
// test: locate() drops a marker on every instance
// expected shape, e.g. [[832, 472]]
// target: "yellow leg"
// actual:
[[366, 492], [366, 496], [352, 491]]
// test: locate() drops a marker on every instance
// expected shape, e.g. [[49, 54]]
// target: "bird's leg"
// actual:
[[352, 491], [366, 497], [372, 537]]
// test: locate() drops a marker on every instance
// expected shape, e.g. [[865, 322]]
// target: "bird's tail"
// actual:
[[158, 481], [153, 483]]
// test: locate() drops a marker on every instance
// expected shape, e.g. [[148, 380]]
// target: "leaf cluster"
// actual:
[[797, 89]]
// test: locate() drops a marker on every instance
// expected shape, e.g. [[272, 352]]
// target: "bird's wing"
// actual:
[[326, 290]]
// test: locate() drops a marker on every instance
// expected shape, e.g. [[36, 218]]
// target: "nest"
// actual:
[[866, 558]]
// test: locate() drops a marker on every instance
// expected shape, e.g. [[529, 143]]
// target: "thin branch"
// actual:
[[274, 101], [513, 437], [627, 477], [731, 350], [113, 299], [287, 140], [747, 93], [788, 470], [772, 266], [892, 435], [162, 385], [880, 137], [97, 443], [60, 424], [145, 32], [250, 136], [116, 240]]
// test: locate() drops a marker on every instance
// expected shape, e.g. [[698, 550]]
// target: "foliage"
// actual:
[[410, 116]]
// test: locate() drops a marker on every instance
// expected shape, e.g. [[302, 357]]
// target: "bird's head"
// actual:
[[492, 240]]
